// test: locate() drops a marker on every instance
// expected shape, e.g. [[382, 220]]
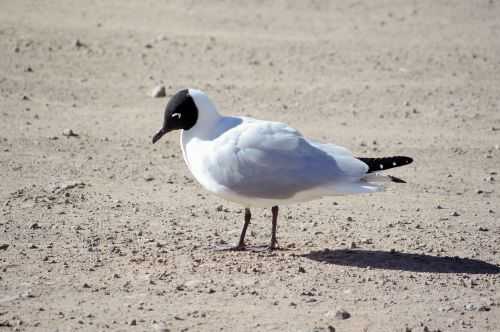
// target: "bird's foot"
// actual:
[[229, 247], [264, 248], [273, 245], [249, 248]]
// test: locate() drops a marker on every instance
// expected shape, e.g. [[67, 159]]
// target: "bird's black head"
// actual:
[[181, 113]]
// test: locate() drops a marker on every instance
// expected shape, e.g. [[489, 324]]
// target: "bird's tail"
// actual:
[[378, 178], [372, 181]]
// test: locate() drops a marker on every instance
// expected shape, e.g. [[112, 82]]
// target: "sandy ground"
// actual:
[[105, 231]]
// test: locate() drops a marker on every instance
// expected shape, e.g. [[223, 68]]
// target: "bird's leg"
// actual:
[[274, 243], [241, 243]]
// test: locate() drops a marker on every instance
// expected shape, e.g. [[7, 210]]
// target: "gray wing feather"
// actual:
[[272, 160]]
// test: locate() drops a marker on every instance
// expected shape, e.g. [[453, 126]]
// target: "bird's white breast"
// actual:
[[196, 154], [209, 160]]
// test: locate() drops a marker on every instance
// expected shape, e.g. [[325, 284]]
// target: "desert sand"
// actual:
[[102, 231]]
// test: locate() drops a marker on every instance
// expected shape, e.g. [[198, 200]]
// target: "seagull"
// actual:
[[258, 163]]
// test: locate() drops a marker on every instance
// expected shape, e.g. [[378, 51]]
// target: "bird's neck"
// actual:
[[204, 131], [206, 124]]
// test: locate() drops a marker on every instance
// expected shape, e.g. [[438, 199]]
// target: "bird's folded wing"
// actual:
[[270, 159]]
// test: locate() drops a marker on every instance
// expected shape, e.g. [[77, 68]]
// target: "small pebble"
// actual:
[[78, 43], [342, 314], [35, 226], [149, 178], [4, 246], [69, 133], [455, 214], [133, 322], [161, 38], [159, 92]]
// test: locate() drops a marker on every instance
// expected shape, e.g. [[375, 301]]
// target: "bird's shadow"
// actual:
[[402, 261]]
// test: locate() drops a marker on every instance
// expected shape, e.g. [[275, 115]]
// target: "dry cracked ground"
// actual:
[[101, 230]]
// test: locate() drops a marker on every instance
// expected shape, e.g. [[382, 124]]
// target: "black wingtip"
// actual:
[[408, 160], [381, 164]]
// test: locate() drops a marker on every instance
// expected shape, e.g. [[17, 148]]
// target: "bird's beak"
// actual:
[[159, 134]]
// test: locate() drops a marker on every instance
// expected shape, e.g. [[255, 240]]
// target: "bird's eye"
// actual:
[[176, 115]]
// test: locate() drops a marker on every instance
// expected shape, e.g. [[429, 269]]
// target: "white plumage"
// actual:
[[261, 163]]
